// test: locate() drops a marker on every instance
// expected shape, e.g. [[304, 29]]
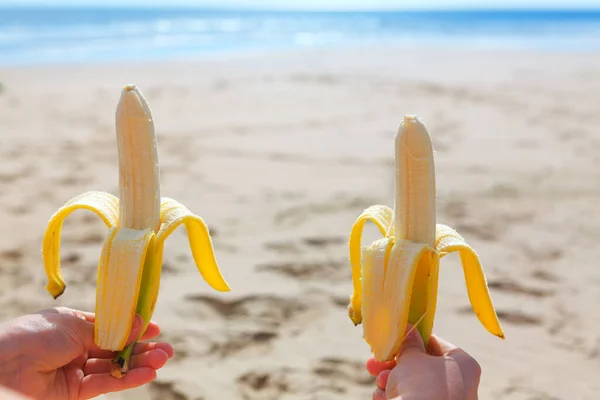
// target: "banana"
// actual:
[[138, 223], [395, 279]]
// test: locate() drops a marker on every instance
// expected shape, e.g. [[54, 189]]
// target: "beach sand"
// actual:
[[279, 154]]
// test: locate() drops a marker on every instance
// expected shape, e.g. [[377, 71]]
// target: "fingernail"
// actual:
[[413, 334]]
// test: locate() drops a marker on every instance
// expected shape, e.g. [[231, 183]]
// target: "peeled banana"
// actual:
[[138, 222], [395, 279]]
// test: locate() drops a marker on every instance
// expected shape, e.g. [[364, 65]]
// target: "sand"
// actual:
[[279, 153]]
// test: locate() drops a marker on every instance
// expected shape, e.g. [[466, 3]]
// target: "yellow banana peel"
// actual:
[[395, 279], [138, 222]]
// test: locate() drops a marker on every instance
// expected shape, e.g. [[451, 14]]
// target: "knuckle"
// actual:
[[378, 394], [475, 367]]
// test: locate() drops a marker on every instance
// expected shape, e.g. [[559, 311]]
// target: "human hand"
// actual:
[[8, 394], [51, 355], [444, 372]]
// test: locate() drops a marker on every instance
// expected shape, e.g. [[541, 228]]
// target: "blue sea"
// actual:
[[50, 35]]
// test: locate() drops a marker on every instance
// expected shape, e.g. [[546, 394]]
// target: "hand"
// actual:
[[51, 355], [444, 372], [7, 394]]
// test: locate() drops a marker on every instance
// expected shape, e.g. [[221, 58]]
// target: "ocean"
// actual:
[[58, 35]]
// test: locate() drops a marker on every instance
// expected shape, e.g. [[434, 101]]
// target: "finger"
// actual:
[[411, 343], [469, 367], [69, 311], [84, 330], [382, 379], [152, 331], [137, 349], [379, 394], [439, 347], [96, 384], [155, 359], [134, 333], [376, 367], [90, 316]]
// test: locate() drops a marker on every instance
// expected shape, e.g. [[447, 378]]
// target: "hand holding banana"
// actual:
[[138, 222], [395, 279]]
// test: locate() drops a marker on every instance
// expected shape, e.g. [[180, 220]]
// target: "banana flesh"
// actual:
[[138, 222], [395, 279]]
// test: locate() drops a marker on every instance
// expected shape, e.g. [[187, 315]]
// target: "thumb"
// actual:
[[83, 329], [439, 347], [412, 342]]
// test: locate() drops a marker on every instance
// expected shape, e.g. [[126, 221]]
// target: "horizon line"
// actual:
[[579, 8]]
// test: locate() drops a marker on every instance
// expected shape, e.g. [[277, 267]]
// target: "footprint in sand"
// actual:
[[11, 268], [323, 241], [297, 215], [314, 270], [243, 343], [166, 391], [560, 320], [180, 263], [70, 258], [481, 230], [190, 343], [513, 317], [455, 212], [327, 376], [255, 341], [13, 256], [570, 134], [11, 173], [87, 237], [340, 301], [454, 209], [269, 311], [292, 247], [72, 180], [340, 370], [260, 319], [90, 231], [512, 287], [503, 190], [287, 247], [269, 385], [544, 276], [543, 254], [493, 226]]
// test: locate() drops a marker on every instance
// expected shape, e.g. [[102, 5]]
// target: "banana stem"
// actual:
[[120, 363], [145, 306]]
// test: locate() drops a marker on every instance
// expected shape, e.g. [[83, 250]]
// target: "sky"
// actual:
[[323, 4]]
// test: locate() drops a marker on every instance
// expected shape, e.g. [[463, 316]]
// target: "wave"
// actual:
[[47, 35]]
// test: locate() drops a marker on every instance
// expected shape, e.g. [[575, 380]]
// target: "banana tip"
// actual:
[[410, 118], [56, 292], [130, 87]]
